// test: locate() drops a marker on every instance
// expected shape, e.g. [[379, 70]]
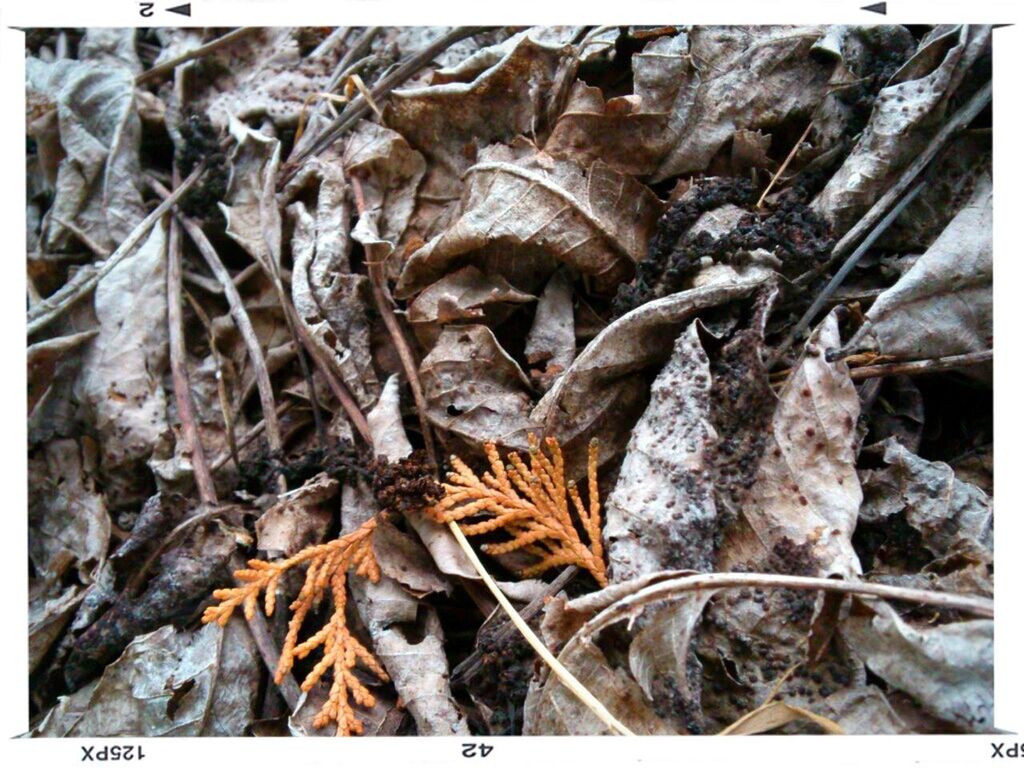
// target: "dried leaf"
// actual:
[[906, 114], [943, 304], [69, 522], [692, 92], [329, 299], [523, 213], [418, 667], [168, 683], [265, 73], [552, 710], [806, 490], [953, 519], [946, 668], [776, 714], [661, 514], [99, 130], [44, 360], [121, 379], [552, 337], [604, 379], [475, 389], [252, 215], [298, 518], [464, 295], [390, 441]]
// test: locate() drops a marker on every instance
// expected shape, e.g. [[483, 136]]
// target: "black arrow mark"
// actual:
[[875, 8], [186, 9]]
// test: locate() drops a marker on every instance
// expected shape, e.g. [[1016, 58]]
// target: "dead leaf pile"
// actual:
[[377, 248]]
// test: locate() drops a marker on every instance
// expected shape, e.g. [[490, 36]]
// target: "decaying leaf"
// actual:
[[604, 378], [806, 491], [604, 238], [946, 668], [466, 295], [552, 338], [524, 213], [168, 683], [298, 519], [97, 173], [943, 304], [692, 93], [417, 667], [552, 710], [906, 114], [120, 380], [951, 520], [475, 389], [661, 514]]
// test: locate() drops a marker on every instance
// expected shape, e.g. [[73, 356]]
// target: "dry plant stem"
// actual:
[[217, 464], [359, 107], [385, 307], [564, 675], [268, 649], [843, 272], [627, 606], [338, 388], [471, 664], [960, 120], [222, 391], [160, 70], [917, 367], [48, 310], [240, 316], [99, 251], [785, 164], [179, 371]]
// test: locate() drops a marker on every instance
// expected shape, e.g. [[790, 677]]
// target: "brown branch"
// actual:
[[49, 309], [386, 308], [179, 371], [240, 316], [165, 68], [918, 367], [217, 464], [359, 107]]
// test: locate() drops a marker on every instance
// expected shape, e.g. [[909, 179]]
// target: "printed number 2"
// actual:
[[146, 10]]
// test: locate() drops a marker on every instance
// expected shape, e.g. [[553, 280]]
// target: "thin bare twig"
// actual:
[[785, 164], [49, 309], [917, 367], [217, 464], [240, 316], [179, 371], [359, 107], [218, 361], [565, 677], [165, 68], [386, 309], [671, 587]]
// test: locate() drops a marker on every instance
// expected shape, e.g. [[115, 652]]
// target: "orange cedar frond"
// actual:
[[531, 504], [327, 566]]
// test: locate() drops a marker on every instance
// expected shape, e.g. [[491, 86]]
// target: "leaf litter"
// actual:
[[540, 287]]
